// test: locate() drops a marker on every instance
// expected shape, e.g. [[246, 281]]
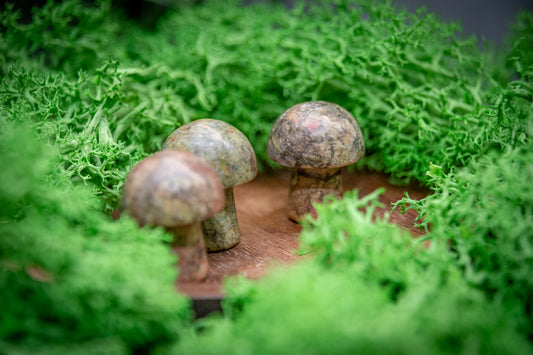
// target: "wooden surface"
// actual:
[[269, 238]]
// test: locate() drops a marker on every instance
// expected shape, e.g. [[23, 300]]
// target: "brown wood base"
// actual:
[[269, 238]]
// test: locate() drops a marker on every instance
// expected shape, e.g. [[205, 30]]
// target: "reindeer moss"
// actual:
[[68, 273], [86, 92]]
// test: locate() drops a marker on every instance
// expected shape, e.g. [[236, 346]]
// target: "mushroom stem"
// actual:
[[222, 230], [189, 244], [309, 186]]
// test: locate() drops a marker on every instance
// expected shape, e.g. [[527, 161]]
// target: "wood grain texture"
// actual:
[[269, 238]]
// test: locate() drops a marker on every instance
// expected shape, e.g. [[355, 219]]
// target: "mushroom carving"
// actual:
[[231, 155], [176, 190], [315, 139]]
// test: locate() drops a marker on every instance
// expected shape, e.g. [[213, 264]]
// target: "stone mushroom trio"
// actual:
[[187, 187]]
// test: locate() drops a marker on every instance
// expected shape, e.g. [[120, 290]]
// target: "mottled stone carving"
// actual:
[[315, 139], [176, 190], [231, 155]]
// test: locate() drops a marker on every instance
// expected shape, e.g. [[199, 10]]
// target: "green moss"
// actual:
[[485, 212], [370, 289], [94, 92], [69, 274], [420, 93]]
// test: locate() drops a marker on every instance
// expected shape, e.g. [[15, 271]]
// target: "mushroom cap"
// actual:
[[220, 144], [315, 134], [171, 189]]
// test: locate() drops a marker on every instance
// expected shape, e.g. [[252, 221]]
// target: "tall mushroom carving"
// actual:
[[176, 190], [315, 139], [230, 153]]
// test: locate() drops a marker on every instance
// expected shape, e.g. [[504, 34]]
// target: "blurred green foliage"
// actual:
[[85, 93], [369, 289], [70, 274]]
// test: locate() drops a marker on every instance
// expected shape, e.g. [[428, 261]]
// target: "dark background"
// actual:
[[489, 19]]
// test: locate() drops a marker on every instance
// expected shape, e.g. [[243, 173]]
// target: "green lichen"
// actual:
[[68, 273], [94, 92], [420, 92], [369, 289]]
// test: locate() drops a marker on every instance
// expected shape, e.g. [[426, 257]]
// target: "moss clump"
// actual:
[[369, 289], [421, 94], [69, 274], [101, 92], [485, 212]]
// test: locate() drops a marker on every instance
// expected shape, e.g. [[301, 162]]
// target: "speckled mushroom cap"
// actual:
[[220, 144], [172, 188], [316, 134]]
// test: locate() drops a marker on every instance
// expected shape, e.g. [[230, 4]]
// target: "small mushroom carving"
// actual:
[[231, 155], [315, 139], [176, 190]]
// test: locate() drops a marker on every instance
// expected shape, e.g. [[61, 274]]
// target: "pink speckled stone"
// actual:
[[315, 134], [315, 139]]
